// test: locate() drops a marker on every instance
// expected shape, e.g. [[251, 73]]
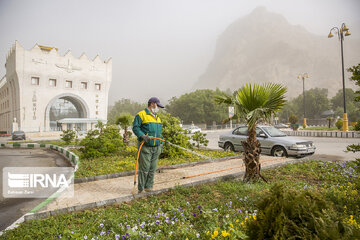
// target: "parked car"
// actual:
[[193, 129], [273, 142], [18, 135], [281, 125]]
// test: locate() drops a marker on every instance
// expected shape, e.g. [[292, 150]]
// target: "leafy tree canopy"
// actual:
[[352, 107], [198, 107], [316, 102], [355, 70], [124, 106]]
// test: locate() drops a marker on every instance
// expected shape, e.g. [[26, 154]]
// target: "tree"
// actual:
[[100, 125], [316, 102], [68, 136], [196, 107], [254, 103], [355, 70], [124, 106], [199, 139], [125, 121], [352, 107]]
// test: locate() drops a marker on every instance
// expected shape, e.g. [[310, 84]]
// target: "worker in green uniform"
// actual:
[[148, 124]]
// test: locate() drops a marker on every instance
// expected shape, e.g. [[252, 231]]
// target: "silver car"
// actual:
[[273, 142]]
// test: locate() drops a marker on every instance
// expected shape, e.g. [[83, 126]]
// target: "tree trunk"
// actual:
[[126, 137], [252, 152]]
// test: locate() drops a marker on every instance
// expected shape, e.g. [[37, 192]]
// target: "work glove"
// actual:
[[145, 138]]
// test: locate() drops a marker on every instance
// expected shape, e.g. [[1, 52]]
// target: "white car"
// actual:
[[273, 142], [193, 129]]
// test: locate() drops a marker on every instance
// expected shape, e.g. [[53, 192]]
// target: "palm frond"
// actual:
[[257, 101]]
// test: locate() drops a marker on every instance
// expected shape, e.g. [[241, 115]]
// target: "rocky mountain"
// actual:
[[265, 47]]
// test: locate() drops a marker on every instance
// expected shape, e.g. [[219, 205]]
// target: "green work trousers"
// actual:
[[147, 166]]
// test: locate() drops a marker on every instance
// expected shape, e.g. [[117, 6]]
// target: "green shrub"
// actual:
[[199, 139], [357, 126], [293, 119], [102, 142], [339, 124], [173, 133], [68, 136], [290, 214]]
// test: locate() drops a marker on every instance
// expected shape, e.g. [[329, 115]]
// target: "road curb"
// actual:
[[81, 207], [332, 134], [70, 156]]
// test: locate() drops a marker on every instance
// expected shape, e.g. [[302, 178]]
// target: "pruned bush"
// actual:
[[173, 133], [339, 124], [290, 214], [293, 119], [68, 136], [199, 139], [104, 141]]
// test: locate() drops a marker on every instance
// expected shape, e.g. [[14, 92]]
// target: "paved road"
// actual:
[[326, 148], [13, 208]]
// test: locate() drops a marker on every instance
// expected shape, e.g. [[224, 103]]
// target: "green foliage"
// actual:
[[355, 148], [329, 119], [224, 207], [68, 136], [352, 107], [125, 121], [339, 124], [125, 160], [173, 133], [355, 70], [255, 102], [200, 139], [102, 142], [316, 102], [293, 119], [197, 107], [289, 214], [357, 126], [124, 106]]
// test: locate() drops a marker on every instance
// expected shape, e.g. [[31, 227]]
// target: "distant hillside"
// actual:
[[263, 47]]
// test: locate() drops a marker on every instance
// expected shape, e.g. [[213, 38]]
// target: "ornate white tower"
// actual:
[[47, 92]]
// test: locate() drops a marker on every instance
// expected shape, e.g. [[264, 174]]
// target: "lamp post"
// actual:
[[303, 76], [340, 33]]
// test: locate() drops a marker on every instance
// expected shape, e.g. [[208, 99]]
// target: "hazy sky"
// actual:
[[159, 47]]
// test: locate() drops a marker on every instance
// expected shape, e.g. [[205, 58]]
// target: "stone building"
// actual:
[[44, 92]]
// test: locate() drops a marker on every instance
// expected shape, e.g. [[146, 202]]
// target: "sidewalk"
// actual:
[[105, 192]]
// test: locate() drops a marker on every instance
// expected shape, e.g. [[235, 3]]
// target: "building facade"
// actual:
[[44, 91]]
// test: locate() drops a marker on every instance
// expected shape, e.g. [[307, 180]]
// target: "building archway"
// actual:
[[66, 105]]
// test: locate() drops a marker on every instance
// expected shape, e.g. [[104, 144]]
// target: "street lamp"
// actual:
[[303, 76], [340, 33]]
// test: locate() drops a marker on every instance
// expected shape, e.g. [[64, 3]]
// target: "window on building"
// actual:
[[97, 100], [98, 86], [68, 84], [97, 113], [83, 85], [52, 82], [34, 81]]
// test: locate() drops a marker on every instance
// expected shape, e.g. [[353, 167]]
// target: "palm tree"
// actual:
[[253, 103], [125, 121]]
